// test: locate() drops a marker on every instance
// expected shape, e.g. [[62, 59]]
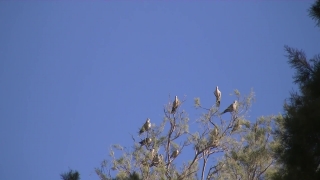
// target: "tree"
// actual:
[[229, 134], [314, 12], [70, 175], [299, 129], [252, 157]]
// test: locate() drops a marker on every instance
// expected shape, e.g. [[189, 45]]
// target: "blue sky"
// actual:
[[78, 77]]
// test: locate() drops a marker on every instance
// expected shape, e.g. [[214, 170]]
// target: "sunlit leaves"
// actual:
[[254, 156], [215, 134]]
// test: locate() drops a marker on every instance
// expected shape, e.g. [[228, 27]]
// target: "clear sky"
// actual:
[[76, 77]]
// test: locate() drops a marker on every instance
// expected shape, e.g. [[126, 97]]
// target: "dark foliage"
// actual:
[[314, 12], [299, 152], [70, 175]]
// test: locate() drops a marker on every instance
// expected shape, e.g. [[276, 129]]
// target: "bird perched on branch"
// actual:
[[231, 108], [145, 127], [145, 141], [157, 159], [175, 105], [174, 154], [217, 93]]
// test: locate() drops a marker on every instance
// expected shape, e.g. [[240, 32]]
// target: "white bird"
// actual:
[[231, 108], [175, 105], [217, 93], [145, 141], [174, 154], [145, 127]]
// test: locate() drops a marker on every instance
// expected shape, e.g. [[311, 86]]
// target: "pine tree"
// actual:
[[314, 12], [70, 175], [299, 129]]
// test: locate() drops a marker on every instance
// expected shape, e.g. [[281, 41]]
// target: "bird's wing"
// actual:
[[216, 93], [219, 93], [145, 126], [174, 103], [229, 109]]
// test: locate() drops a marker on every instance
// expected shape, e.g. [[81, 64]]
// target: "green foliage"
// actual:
[[217, 133], [299, 129], [70, 175], [251, 158]]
